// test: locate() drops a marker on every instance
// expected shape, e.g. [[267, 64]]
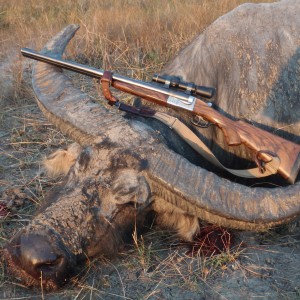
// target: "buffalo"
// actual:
[[122, 172]]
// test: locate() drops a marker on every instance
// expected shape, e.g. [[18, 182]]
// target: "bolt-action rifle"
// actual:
[[193, 99]]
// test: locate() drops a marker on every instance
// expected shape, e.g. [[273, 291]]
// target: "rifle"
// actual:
[[266, 146]]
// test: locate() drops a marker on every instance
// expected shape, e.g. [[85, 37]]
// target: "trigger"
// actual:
[[200, 122], [262, 157]]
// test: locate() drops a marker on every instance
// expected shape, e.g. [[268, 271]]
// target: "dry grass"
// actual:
[[135, 38], [158, 25]]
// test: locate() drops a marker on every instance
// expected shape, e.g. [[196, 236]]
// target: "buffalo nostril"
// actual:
[[37, 255], [49, 266]]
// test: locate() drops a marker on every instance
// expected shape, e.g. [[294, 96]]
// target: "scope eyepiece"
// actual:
[[188, 87]]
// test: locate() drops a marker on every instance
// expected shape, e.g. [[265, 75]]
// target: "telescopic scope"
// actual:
[[188, 87]]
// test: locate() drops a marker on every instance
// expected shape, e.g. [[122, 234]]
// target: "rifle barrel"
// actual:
[[98, 73]]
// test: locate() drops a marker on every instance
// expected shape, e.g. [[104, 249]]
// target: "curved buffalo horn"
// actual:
[[218, 200], [172, 178], [71, 110]]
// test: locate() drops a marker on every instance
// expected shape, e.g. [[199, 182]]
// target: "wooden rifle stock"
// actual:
[[265, 145]]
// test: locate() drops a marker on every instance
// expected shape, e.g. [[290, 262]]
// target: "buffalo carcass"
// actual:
[[125, 171]]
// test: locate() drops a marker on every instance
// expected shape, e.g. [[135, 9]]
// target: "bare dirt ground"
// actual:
[[156, 266]]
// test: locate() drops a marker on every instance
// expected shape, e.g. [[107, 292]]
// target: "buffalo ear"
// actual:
[[130, 187]]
